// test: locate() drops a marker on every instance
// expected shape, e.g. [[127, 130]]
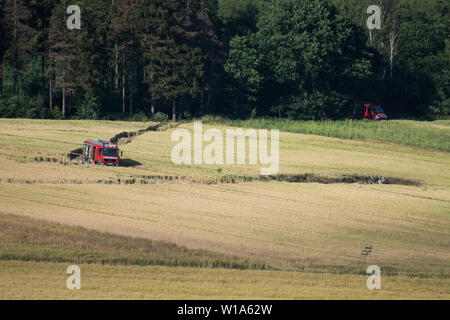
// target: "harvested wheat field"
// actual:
[[307, 235], [37, 280]]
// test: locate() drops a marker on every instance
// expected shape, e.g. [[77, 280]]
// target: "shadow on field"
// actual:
[[75, 153], [129, 163]]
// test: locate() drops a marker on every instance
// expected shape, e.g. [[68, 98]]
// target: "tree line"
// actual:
[[298, 59]]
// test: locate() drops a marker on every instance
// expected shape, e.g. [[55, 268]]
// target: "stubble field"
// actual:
[[307, 236]]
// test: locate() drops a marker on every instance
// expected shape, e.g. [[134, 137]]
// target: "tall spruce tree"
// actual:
[[41, 11], [62, 55], [18, 33], [196, 30], [126, 44], [94, 45], [3, 44]]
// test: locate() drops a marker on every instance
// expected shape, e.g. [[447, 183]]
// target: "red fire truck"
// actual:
[[100, 152], [369, 111]]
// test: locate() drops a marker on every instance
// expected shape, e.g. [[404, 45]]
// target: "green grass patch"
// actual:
[[407, 132], [442, 122]]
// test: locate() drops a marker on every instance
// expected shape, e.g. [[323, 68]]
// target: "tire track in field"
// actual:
[[229, 179]]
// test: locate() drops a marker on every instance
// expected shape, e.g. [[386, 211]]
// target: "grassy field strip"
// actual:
[[31, 280], [437, 124], [442, 123], [315, 154], [393, 131], [299, 154], [287, 225]]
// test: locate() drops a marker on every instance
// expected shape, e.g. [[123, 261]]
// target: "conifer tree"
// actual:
[[18, 33], [62, 56], [41, 12], [196, 30], [126, 45], [3, 45]]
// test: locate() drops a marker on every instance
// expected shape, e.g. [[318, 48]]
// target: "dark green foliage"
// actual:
[[22, 107], [298, 59], [3, 44], [411, 82], [160, 117], [319, 105], [89, 108], [308, 50], [245, 79]]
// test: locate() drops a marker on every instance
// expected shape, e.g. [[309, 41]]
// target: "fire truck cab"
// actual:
[[100, 152], [369, 111]]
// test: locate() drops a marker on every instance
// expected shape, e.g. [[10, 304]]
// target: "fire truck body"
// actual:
[[369, 111], [100, 152]]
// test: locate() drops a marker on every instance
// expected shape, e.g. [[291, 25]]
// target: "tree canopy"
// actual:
[[298, 59]]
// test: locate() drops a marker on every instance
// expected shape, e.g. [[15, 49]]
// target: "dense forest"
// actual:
[[168, 59]]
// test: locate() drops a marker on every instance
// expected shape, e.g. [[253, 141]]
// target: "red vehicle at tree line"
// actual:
[[368, 111]]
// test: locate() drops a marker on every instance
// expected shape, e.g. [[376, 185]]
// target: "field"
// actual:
[[430, 135], [166, 231], [20, 280]]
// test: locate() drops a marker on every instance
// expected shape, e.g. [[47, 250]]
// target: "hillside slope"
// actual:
[[309, 227]]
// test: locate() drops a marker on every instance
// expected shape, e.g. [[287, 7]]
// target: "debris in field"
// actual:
[[376, 180], [366, 251], [231, 179], [312, 178]]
